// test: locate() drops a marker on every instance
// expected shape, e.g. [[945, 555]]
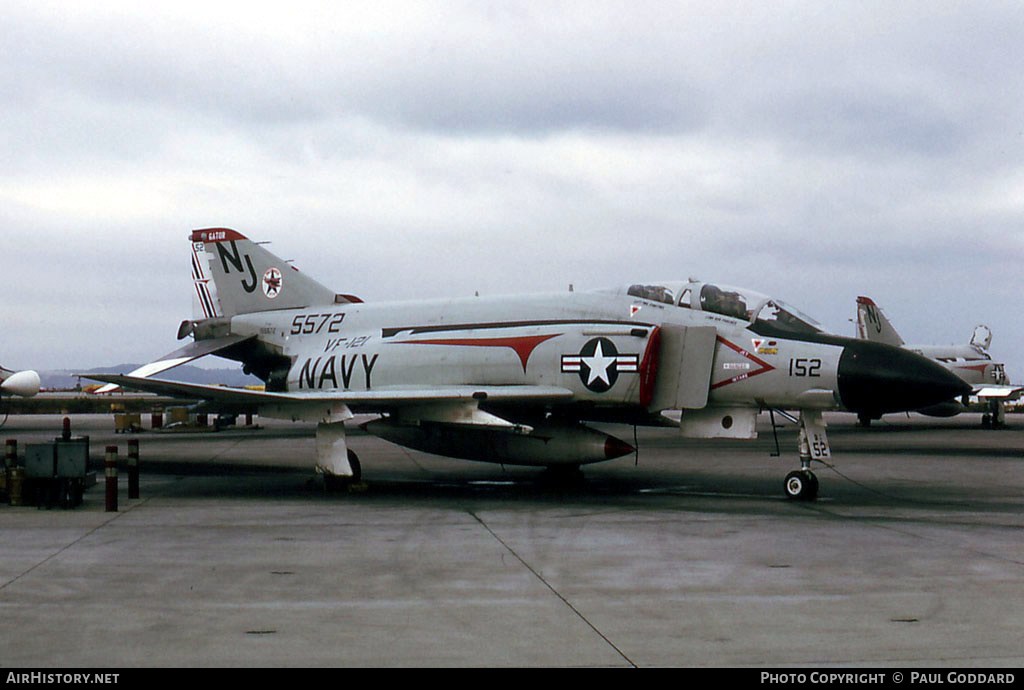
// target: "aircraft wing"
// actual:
[[183, 355], [380, 398], [998, 392]]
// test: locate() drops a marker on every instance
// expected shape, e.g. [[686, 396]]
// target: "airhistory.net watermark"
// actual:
[[50, 678]]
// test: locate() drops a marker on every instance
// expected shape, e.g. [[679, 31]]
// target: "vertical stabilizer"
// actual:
[[981, 338], [247, 278], [872, 324], [205, 304]]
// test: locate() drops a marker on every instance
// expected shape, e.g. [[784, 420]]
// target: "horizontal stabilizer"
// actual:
[[183, 355], [994, 392]]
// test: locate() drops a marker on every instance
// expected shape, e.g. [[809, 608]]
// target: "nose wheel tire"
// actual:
[[801, 485]]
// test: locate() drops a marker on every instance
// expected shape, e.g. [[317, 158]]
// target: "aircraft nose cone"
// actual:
[[877, 379]]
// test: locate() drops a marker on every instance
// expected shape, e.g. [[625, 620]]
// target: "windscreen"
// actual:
[[656, 293], [766, 316], [778, 318]]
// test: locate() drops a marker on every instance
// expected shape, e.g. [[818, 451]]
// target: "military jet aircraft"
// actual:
[[970, 361], [512, 380], [23, 383]]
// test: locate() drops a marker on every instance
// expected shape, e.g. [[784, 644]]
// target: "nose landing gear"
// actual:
[[802, 484]]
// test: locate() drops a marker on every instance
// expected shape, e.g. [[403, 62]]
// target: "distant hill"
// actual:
[[66, 379]]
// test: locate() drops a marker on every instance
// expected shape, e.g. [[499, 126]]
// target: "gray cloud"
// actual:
[[817, 152]]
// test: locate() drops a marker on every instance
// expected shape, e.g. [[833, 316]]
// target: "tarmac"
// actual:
[[685, 555]]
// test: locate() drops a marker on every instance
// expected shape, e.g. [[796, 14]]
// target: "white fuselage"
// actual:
[[536, 340], [966, 361]]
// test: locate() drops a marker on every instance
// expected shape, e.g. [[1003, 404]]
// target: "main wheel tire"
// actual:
[[334, 483], [357, 470]]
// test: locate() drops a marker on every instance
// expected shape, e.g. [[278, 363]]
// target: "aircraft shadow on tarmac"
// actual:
[[954, 467], [617, 488]]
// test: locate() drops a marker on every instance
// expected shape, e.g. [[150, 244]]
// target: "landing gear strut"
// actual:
[[995, 417], [802, 484], [334, 459]]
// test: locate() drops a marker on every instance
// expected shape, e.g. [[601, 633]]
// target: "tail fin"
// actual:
[[205, 304], [982, 337], [247, 278], [872, 324]]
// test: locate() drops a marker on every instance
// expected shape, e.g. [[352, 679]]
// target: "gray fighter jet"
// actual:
[[514, 380], [990, 385]]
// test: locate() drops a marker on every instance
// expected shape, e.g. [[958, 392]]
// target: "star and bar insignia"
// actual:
[[599, 364]]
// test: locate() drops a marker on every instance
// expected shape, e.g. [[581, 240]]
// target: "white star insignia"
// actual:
[[598, 365]]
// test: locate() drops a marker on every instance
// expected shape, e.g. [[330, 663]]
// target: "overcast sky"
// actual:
[[813, 151]]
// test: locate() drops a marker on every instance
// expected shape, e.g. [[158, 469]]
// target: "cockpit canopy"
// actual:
[[764, 315]]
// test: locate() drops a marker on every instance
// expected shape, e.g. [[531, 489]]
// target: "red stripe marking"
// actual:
[[523, 345], [649, 368], [216, 235], [765, 366]]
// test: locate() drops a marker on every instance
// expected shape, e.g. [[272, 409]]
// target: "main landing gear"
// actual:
[[995, 417], [333, 482], [338, 463]]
